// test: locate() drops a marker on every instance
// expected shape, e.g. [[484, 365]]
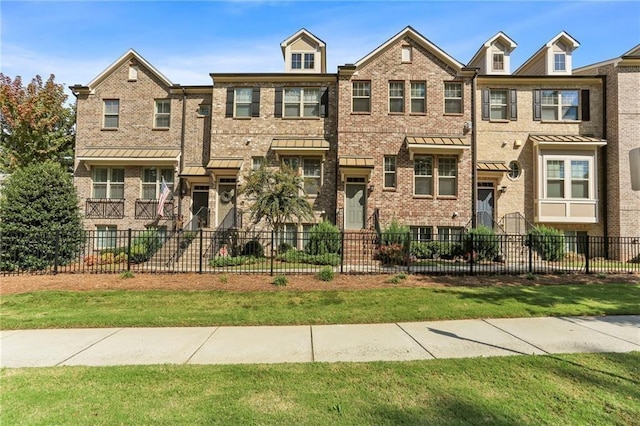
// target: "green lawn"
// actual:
[[119, 308], [593, 389]]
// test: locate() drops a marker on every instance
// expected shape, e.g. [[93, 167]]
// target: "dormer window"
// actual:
[[309, 61], [498, 62], [559, 62], [296, 61]]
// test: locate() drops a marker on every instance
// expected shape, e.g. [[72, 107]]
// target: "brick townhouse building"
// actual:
[[406, 132]]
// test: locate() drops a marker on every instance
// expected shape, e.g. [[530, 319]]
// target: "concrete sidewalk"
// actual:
[[319, 343]]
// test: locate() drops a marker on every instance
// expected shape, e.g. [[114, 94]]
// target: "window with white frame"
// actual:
[[242, 101], [163, 113], [422, 234], [287, 234], [257, 163], [302, 102], [418, 97], [361, 96], [423, 175], [497, 63], [559, 62], [310, 168], [152, 182], [453, 98], [389, 172], [309, 61], [578, 184], [515, 170], [560, 104], [111, 113], [396, 96], [575, 241], [108, 183], [447, 176], [107, 236], [449, 234], [498, 104], [296, 61]]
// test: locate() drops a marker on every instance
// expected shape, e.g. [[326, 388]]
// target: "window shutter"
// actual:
[[537, 107], [485, 104], [229, 111], [255, 102], [585, 105], [277, 110], [513, 104], [324, 102]]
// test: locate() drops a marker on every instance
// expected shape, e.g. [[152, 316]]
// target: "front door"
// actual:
[[226, 203], [355, 205], [200, 207], [485, 207]]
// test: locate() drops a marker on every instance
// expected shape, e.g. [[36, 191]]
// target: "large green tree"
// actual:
[[36, 125], [39, 218], [278, 197]]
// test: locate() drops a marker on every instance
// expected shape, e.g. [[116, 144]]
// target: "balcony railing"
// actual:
[[148, 209], [104, 208]]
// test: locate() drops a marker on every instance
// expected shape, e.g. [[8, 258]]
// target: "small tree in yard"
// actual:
[[39, 205], [278, 197]]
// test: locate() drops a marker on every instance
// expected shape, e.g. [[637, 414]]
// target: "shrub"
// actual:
[[253, 248], [145, 245], [446, 250], [39, 218], [393, 254], [547, 242], [395, 234], [323, 238], [422, 250], [482, 243], [326, 274], [396, 279], [126, 274], [280, 280], [295, 256], [222, 261], [284, 248]]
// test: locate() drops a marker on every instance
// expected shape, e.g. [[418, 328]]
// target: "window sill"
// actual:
[[447, 197], [360, 113], [423, 197], [241, 118], [389, 189], [561, 121], [109, 129], [396, 113], [300, 118], [418, 114], [453, 114], [501, 120], [161, 129]]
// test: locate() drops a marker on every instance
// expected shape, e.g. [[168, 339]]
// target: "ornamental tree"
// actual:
[[35, 123]]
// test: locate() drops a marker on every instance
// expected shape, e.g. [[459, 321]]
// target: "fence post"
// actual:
[[530, 244], [128, 249], [586, 255], [408, 253], [273, 252], [56, 252], [471, 254], [200, 251], [342, 251]]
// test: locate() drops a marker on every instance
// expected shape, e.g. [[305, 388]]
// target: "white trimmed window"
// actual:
[[111, 113], [422, 234], [309, 61], [396, 96], [418, 97], [497, 63], [423, 175], [560, 104], [498, 104], [296, 61], [163, 113], [450, 235], [152, 182], [453, 98], [578, 184], [242, 102], [447, 176], [107, 236], [108, 183], [302, 102], [310, 168], [257, 163], [389, 172], [361, 96], [288, 234], [559, 62]]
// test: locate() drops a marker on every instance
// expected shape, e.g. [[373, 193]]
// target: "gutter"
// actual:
[[182, 141]]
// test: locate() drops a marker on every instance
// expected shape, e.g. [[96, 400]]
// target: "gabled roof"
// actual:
[[129, 55], [632, 54], [297, 35], [501, 37], [563, 36], [418, 38]]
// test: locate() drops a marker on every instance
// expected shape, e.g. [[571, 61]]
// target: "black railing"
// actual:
[[364, 251], [104, 208], [148, 209]]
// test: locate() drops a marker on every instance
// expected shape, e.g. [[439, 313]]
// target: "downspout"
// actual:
[[605, 180], [182, 136], [474, 153]]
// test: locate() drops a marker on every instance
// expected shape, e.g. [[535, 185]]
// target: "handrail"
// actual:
[[194, 226], [520, 222]]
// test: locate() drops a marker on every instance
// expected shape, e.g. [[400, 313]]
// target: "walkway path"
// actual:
[[318, 343]]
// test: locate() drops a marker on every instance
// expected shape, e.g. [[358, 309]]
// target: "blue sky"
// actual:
[[76, 40]]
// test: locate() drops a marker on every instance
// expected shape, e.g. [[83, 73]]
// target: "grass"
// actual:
[[119, 308], [594, 389]]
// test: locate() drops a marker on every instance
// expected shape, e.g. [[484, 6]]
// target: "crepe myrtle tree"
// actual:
[[277, 197], [40, 222]]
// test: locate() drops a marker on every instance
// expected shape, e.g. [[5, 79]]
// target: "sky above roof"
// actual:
[[187, 40]]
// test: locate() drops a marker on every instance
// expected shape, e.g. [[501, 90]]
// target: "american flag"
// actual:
[[164, 194]]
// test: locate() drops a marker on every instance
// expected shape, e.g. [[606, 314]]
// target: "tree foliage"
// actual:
[[35, 123], [278, 197], [39, 218]]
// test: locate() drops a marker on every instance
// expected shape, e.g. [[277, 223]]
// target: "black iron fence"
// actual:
[[291, 252]]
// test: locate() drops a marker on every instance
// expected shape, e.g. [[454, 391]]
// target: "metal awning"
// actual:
[[142, 156], [225, 163], [300, 146], [440, 143], [567, 140], [193, 171], [356, 162], [492, 166]]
